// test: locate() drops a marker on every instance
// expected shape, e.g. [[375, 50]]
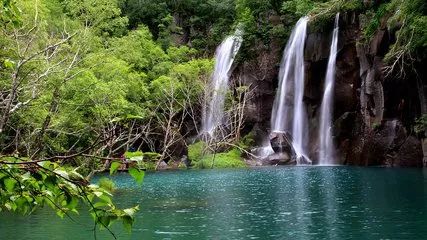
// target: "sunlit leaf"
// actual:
[[9, 184], [8, 63], [127, 223], [114, 166], [137, 174]]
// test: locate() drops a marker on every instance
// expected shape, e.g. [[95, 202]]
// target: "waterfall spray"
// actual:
[[326, 145], [213, 111], [289, 113]]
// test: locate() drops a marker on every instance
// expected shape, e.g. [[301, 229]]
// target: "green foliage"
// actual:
[[137, 174], [148, 12], [102, 16], [196, 151], [107, 184], [112, 80], [408, 19], [9, 12], [230, 159], [247, 141], [181, 54], [421, 125], [298, 8], [375, 22], [199, 22], [26, 186], [144, 160], [248, 23], [130, 155], [324, 12], [83, 76], [138, 49], [182, 85], [166, 29], [114, 167]]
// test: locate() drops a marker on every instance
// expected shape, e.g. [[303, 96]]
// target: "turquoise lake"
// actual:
[[259, 203]]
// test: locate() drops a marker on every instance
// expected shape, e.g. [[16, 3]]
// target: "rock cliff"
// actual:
[[374, 111]]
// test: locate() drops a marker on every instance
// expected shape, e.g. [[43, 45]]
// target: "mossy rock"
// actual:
[[230, 159], [200, 157]]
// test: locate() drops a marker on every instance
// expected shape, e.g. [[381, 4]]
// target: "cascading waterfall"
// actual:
[[326, 145], [214, 109], [289, 113]]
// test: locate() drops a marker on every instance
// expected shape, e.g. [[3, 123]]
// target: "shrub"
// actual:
[[322, 14], [421, 125], [230, 159], [196, 151], [247, 141]]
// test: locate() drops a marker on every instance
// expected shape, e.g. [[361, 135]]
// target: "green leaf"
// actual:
[[98, 193], [72, 202], [9, 184], [50, 181], [137, 174], [75, 175], [100, 204], [127, 223], [8, 206], [62, 173], [105, 220], [131, 211], [106, 198], [60, 213], [22, 205], [8, 63], [114, 166]]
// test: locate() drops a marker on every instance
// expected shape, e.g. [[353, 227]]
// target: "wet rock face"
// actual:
[[261, 91], [382, 142], [389, 144], [410, 153], [347, 81], [348, 136], [317, 46], [347, 85], [260, 74], [361, 134]]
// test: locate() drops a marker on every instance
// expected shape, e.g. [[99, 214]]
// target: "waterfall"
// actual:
[[326, 148], [213, 111], [289, 113]]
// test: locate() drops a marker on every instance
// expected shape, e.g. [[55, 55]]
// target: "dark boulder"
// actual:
[[409, 154], [389, 144], [281, 142]]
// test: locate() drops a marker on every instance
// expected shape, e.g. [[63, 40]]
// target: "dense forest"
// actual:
[[87, 84]]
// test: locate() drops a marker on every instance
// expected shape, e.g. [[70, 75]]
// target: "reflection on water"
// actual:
[[263, 203]]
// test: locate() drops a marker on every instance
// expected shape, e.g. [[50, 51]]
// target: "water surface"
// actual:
[[262, 203]]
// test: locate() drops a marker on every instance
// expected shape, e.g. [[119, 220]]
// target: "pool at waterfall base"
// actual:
[[301, 202]]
